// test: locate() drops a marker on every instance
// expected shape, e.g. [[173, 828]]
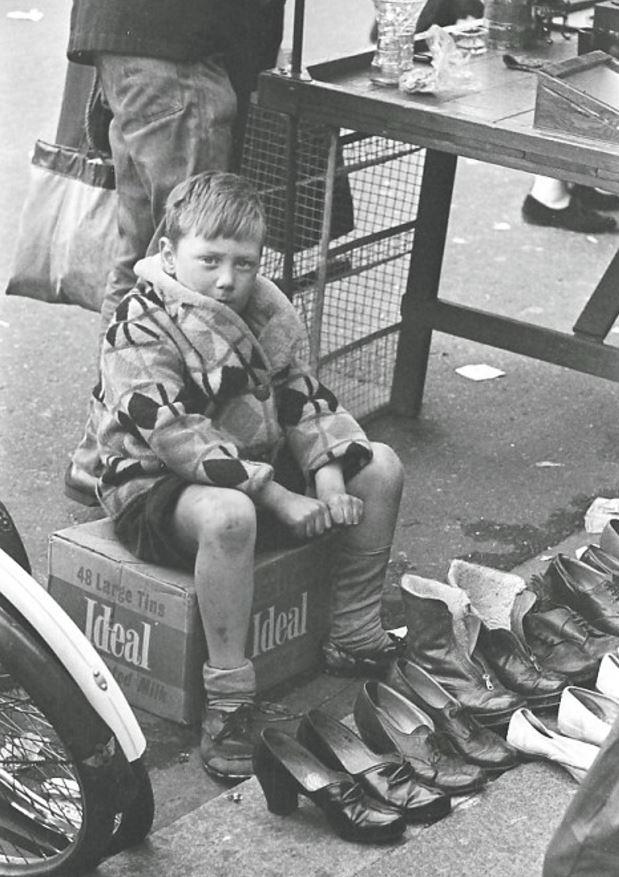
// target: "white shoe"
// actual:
[[607, 681], [586, 715], [530, 736]]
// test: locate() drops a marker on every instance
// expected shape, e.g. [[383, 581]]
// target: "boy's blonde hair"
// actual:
[[215, 205]]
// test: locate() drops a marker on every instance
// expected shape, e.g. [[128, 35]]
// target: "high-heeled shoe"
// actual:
[[390, 779], [285, 769]]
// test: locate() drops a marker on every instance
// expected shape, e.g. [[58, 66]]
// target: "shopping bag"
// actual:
[[67, 237]]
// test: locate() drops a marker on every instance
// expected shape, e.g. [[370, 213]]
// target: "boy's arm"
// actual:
[[319, 431], [146, 393]]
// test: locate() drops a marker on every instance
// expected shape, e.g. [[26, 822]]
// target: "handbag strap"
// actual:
[[97, 117]]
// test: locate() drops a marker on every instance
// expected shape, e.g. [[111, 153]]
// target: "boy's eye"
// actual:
[[246, 264], [209, 260]]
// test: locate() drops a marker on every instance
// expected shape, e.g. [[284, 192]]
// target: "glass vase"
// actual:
[[396, 21]]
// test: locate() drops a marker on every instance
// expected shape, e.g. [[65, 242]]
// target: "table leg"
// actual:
[[423, 282], [600, 312]]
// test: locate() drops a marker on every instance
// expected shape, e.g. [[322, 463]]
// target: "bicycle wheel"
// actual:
[[59, 774]]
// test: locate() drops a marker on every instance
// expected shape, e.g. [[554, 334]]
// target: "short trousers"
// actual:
[[145, 525]]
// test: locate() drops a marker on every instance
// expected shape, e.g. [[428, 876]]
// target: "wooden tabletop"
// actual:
[[493, 122]]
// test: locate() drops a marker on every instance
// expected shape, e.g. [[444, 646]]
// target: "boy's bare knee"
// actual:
[[386, 465], [232, 523]]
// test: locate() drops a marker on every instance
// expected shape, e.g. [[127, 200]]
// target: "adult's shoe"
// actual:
[[492, 594], [607, 680], [561, 641], [591, 593], [285, 769], [80, 486], [454, 723], [390, 779], [530, 736], [592, 199], [443, 633], [586, 715], [388, 722], [609, 537], [574, 217], [338, 661], [519, 670], [227, 742], [601, 560]]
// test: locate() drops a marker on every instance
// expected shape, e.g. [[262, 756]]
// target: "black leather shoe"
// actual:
[[518, 670], [388, 722], [340, 662], [453, 722], [591, 199], [601, 560], [285, 770], [390, 779], [592, 594], [574, 217], [609, 537], [559, 638], [227, 744]]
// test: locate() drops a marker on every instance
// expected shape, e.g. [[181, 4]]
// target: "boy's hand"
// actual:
[[260, 474], [345, 510], [306, 516]]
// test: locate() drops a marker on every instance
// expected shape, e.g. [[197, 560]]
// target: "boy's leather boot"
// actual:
[[443, 637], [358, 644]]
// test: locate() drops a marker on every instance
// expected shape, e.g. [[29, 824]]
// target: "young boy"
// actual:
[[206, 402]]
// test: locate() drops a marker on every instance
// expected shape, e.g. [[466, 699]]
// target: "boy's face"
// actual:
[[220, 268]]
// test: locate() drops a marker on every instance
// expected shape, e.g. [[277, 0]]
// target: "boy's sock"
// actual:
[[228, 689], [356, 599]]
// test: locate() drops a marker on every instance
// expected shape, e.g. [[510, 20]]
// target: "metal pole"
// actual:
[[325, 235], [297, 37], [292, 134]]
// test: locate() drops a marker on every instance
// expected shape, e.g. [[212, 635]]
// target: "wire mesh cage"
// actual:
[[350, 267]]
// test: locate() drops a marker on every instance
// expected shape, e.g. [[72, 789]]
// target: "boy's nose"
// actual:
[[225, 278]]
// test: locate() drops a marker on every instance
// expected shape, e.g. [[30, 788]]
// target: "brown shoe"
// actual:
[[227, 744]]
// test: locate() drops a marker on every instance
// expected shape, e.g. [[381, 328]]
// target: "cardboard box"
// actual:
[[144, 621]]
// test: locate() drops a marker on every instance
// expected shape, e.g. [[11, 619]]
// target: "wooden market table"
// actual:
[[493, 124]]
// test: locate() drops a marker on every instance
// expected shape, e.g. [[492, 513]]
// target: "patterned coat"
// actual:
[[190, 387]]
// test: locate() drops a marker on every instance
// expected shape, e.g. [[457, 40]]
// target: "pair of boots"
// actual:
[[495, 644]]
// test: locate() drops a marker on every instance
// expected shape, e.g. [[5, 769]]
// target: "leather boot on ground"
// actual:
[[443, 634], [492, 593]]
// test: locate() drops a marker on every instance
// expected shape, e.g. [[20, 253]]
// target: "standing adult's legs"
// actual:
[[170, 120]]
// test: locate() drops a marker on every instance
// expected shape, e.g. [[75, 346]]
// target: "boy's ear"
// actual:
[[168, 256]]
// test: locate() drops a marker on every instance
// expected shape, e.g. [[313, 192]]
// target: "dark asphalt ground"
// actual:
[[474, 487]]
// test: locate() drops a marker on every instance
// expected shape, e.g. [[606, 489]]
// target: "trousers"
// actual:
[[170, 120]]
